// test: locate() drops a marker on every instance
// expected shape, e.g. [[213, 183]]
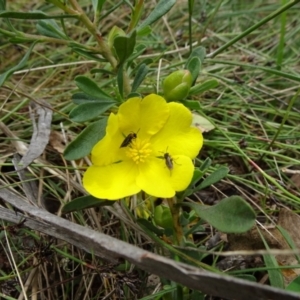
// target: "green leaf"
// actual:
[[205, 165], [124, 46], [35, 15], [191, 104], [202, 123], [17, 67], [231, 215], [144, 31], [2, 4], [194, 66], [89, 111], [146, 224], [85, 141], [198, 52], [138, 50], [203, 87], [161, 8], [294, 286], [139, 77], [97, 5], [85, 53], [84, 203], [120, 81], [275, 275], [214, 177], [90, 87], [50, 28], [80, 98]]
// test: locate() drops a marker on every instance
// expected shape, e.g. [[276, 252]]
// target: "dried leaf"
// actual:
[[202, 124], [41, 132], [57, 141]]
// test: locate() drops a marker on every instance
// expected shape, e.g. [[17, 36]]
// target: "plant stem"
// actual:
[[175, 211]]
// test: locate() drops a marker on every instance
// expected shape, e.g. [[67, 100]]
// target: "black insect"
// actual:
[[128, 139], [168, 160]]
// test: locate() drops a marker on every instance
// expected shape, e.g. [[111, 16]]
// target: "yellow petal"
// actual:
[[143, 116], [182, 173], [107, 151], [111, 182], [177, 137], [157, 179]]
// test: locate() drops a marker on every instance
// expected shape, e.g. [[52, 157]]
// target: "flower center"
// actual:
[[139, 150]]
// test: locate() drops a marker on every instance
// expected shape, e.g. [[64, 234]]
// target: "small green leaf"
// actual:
[[124, 46], [198, 52], [84, 203], [214, 177], [90, 87], [294, 286], [80, 98], [139, 77], [144, 31], [205, 165], [194, 66], [275, 275], [202, 123], [89, 111], [203, 87], [2, 5], [191, 104], [231, 215], [85, 141], [50, 28], [85, 53], [97, 5], [136, 14], [17, 67], [146, 224], [120, 81], [138, 50], [161, 8]]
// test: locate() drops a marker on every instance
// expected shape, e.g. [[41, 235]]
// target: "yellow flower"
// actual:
[[158, 145]]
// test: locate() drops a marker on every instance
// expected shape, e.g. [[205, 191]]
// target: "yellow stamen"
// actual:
[[139, 150]]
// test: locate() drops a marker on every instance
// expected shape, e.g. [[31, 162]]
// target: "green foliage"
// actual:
[[84, 203], [84, 142], [161, 8], [231, 215], [203, 87], [294, 286], [97, 5], [163, 216], [50, 28], [91, 88], [139, 77], [213, 178], [89, 111], [4, 76], [275, 275], [124, 46]]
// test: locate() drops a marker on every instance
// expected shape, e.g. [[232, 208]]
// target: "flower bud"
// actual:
[[163, 216], [177, 85]]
